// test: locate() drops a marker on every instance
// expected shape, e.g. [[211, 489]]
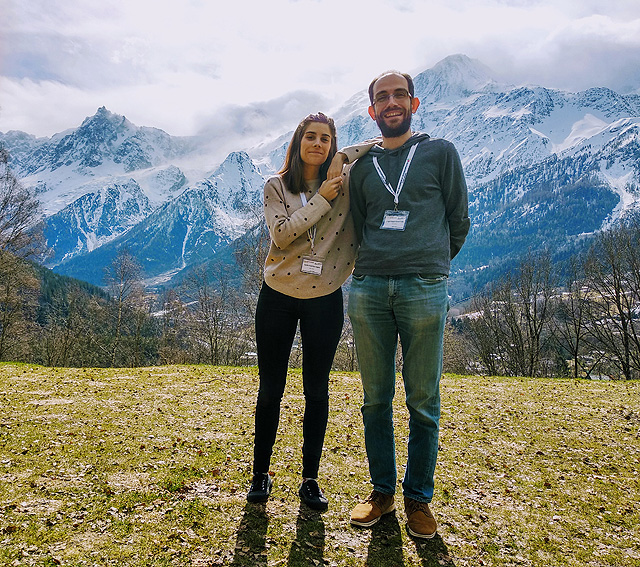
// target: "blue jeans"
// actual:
[[414, 308]]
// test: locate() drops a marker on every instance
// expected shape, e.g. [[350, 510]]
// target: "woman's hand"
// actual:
[[335, 167], [331, 187]]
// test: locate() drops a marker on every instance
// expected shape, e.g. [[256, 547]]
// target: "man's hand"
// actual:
[[335, 167]]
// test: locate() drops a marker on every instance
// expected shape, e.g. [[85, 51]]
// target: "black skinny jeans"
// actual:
[[277, 317]]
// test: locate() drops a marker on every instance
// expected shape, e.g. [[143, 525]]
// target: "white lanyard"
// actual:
[[314, 229], [403, 175]]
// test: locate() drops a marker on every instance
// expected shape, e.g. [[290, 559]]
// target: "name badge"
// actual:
[[311, 266], [394, 220]]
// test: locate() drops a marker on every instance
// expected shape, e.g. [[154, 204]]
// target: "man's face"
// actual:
[[392, 113]]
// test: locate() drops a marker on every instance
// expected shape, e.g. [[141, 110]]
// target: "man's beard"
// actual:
[[394, 132]]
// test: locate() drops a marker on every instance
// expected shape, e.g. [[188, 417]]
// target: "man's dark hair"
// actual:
[[392, 72]]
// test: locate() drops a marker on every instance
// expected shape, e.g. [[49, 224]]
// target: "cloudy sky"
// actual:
[[189, 65]]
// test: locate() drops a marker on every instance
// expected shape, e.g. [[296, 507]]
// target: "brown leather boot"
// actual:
[[420, 520], [372, 509]]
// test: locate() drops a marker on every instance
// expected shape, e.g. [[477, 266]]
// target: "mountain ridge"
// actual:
[[515, 142]]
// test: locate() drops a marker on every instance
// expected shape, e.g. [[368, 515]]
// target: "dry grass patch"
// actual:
[[150, 467]]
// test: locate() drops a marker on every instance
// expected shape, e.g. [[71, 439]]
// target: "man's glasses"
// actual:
[[399, 96]]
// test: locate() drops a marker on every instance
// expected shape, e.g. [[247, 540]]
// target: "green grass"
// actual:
[[150, 467]]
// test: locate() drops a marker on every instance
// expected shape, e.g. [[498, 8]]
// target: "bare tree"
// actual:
[[613, 278], [65, 324], [218, 316], [140, 304], [18, 214], [250, 253], [18, 240], [18, 297], [123, 278], [177, 344], [455, 350], [570, 321], [345, 357], [534, 288], [509, 325], [485, 331]]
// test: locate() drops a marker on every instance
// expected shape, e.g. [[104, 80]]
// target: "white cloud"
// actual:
[[182, 66]]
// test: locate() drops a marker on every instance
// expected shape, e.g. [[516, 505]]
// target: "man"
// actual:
[[410, 210]]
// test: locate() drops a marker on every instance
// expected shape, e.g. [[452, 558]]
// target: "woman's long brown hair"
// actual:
[[292, 170]]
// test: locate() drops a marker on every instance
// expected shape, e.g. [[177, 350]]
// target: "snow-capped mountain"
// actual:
[[454, 78], [95, 219], [104, 143], [544, 168], [187, 230], [106, 149]]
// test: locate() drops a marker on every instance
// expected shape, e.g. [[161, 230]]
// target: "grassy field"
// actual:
[[150, 467]]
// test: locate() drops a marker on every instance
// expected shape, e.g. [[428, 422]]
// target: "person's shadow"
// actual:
[[308, 547], [433, 552], [251, 539], [385, 545]]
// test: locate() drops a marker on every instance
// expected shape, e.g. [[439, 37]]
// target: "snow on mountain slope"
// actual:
[[189, 228], [495, 132], [106, 149], [95, 218], [161, 183], [178, 206]]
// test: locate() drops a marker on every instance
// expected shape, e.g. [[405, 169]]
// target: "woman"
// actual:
[[311, 255]]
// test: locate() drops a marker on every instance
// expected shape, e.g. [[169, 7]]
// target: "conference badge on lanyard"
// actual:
[[311, 264], [395, 219]]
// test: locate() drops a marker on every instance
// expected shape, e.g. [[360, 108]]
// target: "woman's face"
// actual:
[[315, 144]]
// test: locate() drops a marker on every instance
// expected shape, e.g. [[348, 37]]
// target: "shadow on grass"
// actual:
[[251, 539], [386, 547], [433, 552], [308, 547]]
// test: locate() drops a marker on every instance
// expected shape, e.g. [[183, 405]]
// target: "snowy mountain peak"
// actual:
[[238, 182], [542, 165], [105, 144], [235, 162], [234, 159], [94, 218], [108, 119], [454, 77]]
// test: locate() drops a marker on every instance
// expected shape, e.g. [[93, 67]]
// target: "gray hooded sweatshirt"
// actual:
[[435, 196]]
